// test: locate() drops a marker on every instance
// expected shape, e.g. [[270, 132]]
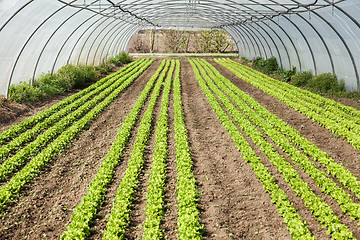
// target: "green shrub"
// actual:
[[115, 61], [244, 60], [105, 67], [267, 66], [46, 82], [66, 78], [24, 92], [101, 69], [88, 72], [70, 76], [288, 74], [123, 57], [270, 65], [327, 82], [258, 62], [301, 78], [120, 59]]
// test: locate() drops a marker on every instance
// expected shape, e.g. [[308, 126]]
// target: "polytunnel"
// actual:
[[43, 35]]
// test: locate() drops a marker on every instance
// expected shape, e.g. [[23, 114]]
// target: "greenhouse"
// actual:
[[194, 119]]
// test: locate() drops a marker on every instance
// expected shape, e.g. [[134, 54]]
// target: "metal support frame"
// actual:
[[110, 26], [27, 41]]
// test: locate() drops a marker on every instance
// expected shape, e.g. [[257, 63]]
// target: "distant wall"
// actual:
[[141, 42]]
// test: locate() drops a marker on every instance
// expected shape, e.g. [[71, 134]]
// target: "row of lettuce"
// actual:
[[257, 123], [35, 141], [119, 218], [290, 141], [66, 78], [339, 119]]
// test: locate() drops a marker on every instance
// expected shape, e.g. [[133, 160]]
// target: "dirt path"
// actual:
[[169, 223]]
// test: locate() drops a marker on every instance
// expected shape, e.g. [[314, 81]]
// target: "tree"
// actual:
[[152, 40], [212, 41]]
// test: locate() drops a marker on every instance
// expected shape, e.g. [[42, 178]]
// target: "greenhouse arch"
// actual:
[[43, 35]]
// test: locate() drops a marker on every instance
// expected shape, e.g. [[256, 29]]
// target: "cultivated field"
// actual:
[[183, 149]]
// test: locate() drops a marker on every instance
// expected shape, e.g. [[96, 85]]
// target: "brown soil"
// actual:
[[169, 223], [12, 113], [233, 204]]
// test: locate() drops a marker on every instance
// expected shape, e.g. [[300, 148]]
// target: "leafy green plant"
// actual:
[[296, 226], [258, 62], [45, 82], [120, 59], [69, 114], [288, 74], [338, 118], [123, 57], [67, 77], [270, 65], [31, 169], [327, 185], [321, 211], [12, 132], [70, 76], [301, 78], [267, 66], [120, 214], [102, 69], [188, 214], [156, 189], [327, 82], [114, 61], [87, 209], [24, 92], [244, 60]]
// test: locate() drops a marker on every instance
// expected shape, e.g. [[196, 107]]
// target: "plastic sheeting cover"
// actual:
[[42, 35]]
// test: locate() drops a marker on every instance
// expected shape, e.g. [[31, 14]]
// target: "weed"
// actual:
[[267, 66], [301, 78]]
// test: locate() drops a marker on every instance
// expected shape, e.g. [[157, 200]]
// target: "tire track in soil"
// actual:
[[44, 209], [233, 203], [169, 221], [314, 227]]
